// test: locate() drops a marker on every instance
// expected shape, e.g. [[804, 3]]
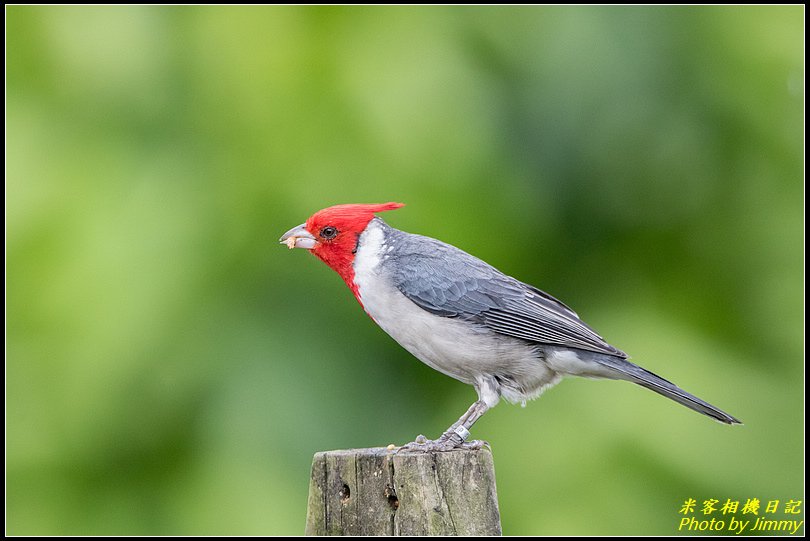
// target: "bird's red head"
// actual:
[[331, 235]]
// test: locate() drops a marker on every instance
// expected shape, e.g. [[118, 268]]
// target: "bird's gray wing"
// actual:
[[449, 282]]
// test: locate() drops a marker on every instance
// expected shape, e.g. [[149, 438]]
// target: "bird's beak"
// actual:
[[298, 237]]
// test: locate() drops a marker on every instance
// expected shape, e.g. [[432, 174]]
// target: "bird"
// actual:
[[465, 318]]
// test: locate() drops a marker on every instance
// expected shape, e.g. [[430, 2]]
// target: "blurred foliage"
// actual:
[[171, 369]]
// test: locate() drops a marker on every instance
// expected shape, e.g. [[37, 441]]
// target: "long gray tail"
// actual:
[[661, 386]]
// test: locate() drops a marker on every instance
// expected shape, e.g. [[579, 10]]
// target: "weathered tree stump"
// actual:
[[380, 492]]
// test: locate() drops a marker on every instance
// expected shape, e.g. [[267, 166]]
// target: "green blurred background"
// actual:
[[171, 369]]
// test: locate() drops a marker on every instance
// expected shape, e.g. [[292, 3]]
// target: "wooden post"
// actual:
[[380, 492]]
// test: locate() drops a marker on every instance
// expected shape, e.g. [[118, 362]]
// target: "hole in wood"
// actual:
[[391, 495], [344, 493]]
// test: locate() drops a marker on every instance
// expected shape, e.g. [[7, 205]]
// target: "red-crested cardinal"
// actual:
[[464, 318]]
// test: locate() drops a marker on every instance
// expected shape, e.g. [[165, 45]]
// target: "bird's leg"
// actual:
[[460, 421], [455, 436], [459, 431]]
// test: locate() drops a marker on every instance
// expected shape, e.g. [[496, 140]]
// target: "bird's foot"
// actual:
[[447, 442]]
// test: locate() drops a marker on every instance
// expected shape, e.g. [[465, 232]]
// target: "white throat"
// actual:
[[369, 253]]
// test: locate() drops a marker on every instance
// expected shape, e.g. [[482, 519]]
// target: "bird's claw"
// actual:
[[446, 442]]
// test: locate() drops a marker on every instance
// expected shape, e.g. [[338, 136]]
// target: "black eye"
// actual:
[[329, 232]]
